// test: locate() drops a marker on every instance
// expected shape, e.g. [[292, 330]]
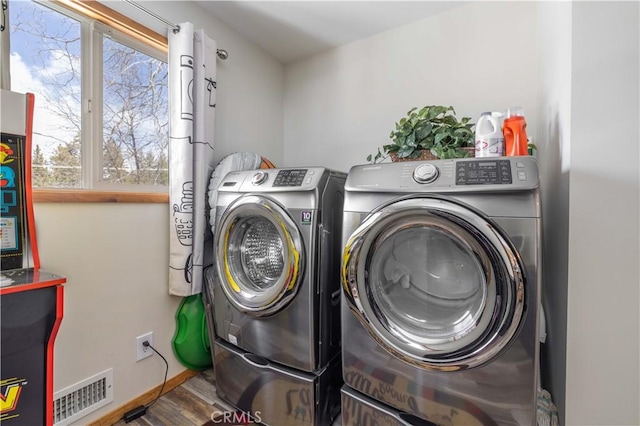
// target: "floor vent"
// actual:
[[84, 397]]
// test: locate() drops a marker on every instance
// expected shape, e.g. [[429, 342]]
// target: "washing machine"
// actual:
[[441, 287], [277, 293]]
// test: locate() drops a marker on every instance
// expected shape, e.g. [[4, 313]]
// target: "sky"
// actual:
[[30, 66], [38, 63]]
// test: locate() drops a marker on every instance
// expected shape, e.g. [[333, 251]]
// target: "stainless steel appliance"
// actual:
[[441, 279], [277, 290]]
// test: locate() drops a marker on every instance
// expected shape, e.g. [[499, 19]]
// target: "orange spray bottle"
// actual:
[[515, 133]]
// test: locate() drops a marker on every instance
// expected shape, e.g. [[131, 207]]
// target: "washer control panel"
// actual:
[[483, 172], [290, 177], [274, 180], [425, 173]]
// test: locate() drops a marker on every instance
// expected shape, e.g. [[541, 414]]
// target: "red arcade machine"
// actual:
[[30, 298]]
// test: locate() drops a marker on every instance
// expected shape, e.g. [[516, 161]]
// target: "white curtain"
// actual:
[[192, 100]]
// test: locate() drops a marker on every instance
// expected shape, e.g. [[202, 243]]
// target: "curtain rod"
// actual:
[[222, 54]]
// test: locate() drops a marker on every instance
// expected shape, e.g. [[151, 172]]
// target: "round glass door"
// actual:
[[427, 282], [259, 255], [434, 283]]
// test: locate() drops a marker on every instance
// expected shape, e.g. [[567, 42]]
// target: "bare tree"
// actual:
[[135, 114], [135, 99]]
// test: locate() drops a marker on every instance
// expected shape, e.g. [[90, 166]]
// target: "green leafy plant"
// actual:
[[434, 128]]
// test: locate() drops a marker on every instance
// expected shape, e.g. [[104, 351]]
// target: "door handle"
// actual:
[[256, 360]]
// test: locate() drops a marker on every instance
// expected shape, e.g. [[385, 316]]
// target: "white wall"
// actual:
[[115, 259], [116, 255], [554, 136], [603, 323], [341, 105]]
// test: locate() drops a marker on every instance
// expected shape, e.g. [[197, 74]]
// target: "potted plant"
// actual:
[[430, 132]]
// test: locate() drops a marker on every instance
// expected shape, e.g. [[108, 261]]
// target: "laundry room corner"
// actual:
[[320, 213]]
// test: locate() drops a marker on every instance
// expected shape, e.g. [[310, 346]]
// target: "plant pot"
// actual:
[[471, 150], [426, 155]]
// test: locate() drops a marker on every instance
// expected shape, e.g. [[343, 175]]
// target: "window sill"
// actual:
[[86, 196]]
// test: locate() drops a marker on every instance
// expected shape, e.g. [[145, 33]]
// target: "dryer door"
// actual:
[[435, 283], [259, 255]]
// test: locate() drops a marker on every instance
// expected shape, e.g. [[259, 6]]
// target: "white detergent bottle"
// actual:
[[489, 137]]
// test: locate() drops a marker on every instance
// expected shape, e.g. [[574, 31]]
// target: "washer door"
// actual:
[[259, 255], [435, 283]]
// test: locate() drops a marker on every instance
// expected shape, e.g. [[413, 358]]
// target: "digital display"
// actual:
[[483, 172], [290, 177]]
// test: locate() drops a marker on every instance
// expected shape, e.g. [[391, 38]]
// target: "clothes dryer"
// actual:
[[441, 288], [277, 292]]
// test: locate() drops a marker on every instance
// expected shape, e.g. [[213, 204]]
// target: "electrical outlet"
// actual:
[[143, 352]]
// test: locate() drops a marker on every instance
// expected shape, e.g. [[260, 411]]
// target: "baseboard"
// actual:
[[116, 415]]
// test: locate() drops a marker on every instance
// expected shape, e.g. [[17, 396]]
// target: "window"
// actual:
[[101, 116]]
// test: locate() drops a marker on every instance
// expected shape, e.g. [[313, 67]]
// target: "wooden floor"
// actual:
[[191, 403]]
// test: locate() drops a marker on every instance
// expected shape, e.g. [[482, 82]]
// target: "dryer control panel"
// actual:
[[483, 172]]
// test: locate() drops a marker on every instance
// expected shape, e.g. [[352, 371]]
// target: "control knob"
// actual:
[[259, 178], [425, 173]]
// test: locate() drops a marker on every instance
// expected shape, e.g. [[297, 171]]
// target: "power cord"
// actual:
[[166, 370], [141, 410]]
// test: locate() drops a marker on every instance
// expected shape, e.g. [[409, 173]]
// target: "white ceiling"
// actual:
[[293, 30]]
